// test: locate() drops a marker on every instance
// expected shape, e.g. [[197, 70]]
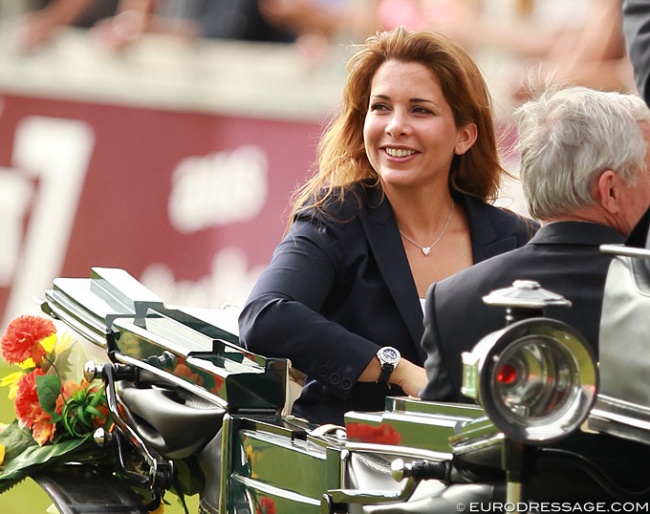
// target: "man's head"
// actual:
[[585, 155]]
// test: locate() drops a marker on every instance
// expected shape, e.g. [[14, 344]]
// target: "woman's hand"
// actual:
[[410, 377]]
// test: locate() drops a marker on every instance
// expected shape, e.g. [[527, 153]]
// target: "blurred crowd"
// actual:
[[577, 42]]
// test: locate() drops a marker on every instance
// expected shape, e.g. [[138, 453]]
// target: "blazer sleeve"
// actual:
[[282, 316]]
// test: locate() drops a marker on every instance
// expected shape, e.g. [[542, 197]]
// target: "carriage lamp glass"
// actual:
[[536, 379]]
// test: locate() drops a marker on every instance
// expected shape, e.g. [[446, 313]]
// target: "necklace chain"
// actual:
[[426, 250]]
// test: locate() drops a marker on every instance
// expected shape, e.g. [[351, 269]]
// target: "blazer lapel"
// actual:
[[383, 237], [485, 242]]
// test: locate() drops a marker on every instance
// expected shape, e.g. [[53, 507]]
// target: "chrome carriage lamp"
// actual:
[[537, 377]]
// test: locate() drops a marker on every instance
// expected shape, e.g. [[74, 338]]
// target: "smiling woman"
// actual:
[[401, 199]]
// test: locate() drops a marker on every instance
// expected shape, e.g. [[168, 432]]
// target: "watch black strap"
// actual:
[[386, 371]]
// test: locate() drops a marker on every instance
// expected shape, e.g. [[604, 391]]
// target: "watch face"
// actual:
[[390, 355]]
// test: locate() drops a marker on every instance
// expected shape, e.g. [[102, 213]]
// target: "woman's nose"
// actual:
[[397, 124]]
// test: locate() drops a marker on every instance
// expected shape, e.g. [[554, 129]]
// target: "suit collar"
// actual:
[[576, 233]]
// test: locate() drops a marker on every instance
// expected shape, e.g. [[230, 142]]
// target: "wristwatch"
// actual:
[[388, 358]]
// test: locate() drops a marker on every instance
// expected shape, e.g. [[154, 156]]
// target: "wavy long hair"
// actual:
[[342, 160]]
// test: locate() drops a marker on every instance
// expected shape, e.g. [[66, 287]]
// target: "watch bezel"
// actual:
[[385, 357]]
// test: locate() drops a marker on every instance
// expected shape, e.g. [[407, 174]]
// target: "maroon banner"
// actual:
[[190, 203]]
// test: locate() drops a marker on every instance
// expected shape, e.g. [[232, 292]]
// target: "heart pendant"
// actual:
[[426, 250]]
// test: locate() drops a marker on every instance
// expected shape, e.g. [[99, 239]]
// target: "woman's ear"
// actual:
[[466, 138]]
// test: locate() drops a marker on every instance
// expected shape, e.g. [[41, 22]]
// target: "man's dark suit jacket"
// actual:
[[339, 287], [636, 27], [563, 257]]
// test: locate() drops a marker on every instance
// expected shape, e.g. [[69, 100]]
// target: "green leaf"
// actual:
[[48, 388], [33, 457], [15, 440], [62, 362]]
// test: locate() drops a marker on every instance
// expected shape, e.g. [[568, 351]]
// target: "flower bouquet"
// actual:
[[57, 410]]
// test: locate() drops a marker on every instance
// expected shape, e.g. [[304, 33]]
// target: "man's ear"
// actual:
[[608, 191], [466, 138]]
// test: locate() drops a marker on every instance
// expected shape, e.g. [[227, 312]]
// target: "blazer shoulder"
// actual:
[[504, 222], [340, 204]]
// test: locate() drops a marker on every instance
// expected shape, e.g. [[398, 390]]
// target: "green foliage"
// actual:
[[48, 388], [25, 457]]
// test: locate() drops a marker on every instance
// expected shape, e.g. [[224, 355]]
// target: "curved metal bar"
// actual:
[[160, 470]]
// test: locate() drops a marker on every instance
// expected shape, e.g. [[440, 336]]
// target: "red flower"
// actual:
[[383, 434], [266, 506], [29, 410], [22, 338]]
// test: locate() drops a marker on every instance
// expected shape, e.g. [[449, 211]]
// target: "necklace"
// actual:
[[426, 250]]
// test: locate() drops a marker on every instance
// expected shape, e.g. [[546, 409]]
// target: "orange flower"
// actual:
[[22, 338], [29, 410], [43, 429]]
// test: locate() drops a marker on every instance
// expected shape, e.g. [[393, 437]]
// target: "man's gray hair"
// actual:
[[568, 137]]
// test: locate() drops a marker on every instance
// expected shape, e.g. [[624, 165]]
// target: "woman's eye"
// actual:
[[422, 110], [378, 107]]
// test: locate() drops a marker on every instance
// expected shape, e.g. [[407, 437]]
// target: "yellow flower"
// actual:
[[2, 454], [11, 381], [48, 343]]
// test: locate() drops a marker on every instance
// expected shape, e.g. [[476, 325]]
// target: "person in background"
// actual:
[[189, 19], [584, 46], [593, 56], [585, 171], [517, 44], [636, 27], [45, 19], [116, 24], [401, 199], [318, 25]]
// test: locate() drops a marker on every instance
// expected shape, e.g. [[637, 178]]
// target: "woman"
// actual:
[[399, 202]]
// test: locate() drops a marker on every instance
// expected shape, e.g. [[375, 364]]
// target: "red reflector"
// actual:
[[507, 374]]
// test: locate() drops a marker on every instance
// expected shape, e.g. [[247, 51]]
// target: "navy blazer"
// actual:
[[339, 287], [564, 257]]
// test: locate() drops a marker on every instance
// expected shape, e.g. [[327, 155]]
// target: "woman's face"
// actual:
[[409, 132]]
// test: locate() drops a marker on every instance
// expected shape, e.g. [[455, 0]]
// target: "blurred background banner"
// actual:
[[166, 138], [175, 165]]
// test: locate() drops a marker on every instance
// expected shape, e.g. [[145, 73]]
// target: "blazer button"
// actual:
[[346, 383], [335, 379]]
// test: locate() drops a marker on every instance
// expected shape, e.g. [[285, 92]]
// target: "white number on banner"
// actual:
[[54, 153]]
